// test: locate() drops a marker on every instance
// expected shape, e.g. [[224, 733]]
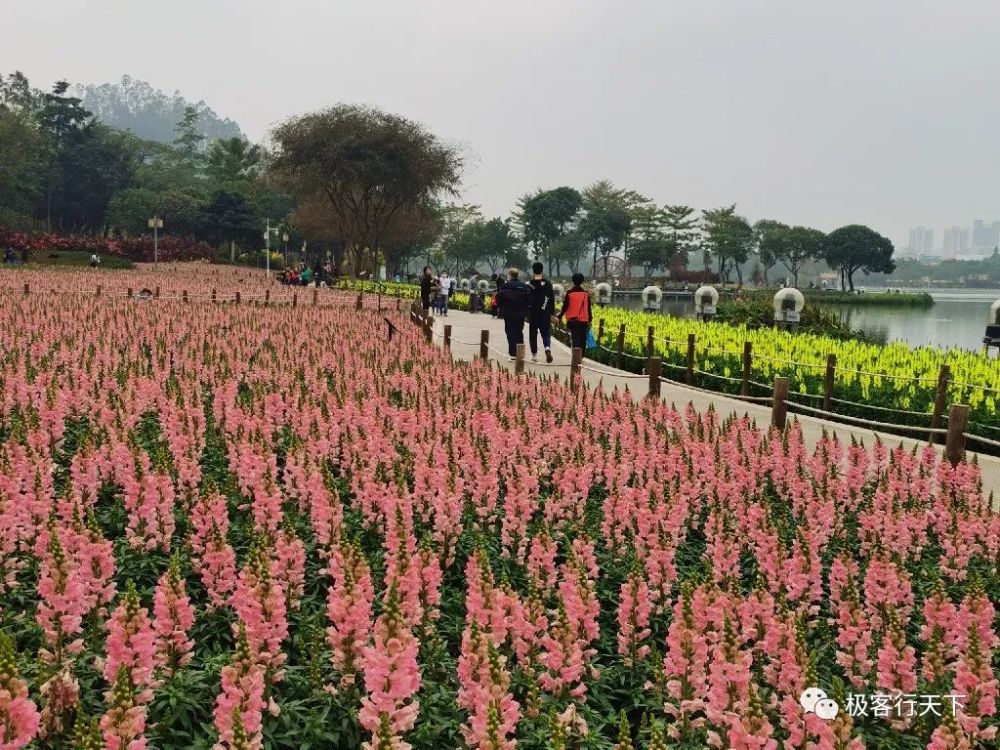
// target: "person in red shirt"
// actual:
[[576, 311]]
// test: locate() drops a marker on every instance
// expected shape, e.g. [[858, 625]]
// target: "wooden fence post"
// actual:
[[574, 368], [654, 366], [315, 297], [379, 298], [184, 295], [359, 302], [237, 298], [267, 297], [295, 299], [650, 346], [128, 294], [831, 367], [619, 347], [429, 329], [937, 416], [689, 375], [747, 362], [447, 337], [484, 345], [600, 330], [27, 290], [519, 359], [156, 294], [954, 445], [399, 302], [779, 407], [213, 295], [98, 290]]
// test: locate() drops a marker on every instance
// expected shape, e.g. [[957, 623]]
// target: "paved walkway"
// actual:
[[465, 334]]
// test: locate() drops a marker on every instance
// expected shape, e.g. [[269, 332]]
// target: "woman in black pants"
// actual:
[[576, 311], [425, 289]]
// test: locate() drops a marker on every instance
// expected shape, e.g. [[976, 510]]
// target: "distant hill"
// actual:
[[149, 113]]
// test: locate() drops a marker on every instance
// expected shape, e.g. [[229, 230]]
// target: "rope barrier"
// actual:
[[789, 362], [970, 385], [805, 395], [613, 374], [736, 396], [981, 439], [867, 422], [880, 408], [720, 377], [912, 379]]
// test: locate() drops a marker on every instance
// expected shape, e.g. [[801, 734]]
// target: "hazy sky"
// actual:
[[819, 112]]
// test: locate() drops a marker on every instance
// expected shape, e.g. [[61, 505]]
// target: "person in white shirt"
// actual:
[[446, 282]]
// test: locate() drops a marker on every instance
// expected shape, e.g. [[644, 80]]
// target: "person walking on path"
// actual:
[[543, 307], [576, 311], [425, 289], [514, 304], [445, 281]]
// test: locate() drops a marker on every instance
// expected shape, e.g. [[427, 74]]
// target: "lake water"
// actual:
[[957, 319]]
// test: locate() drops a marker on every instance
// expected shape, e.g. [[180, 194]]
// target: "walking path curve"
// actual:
[[465, 336]]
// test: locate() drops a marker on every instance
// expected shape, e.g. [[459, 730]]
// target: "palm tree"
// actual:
[[231, 162]]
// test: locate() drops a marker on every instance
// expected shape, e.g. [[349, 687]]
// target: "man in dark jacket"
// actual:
[[543, 307], [514, 304]]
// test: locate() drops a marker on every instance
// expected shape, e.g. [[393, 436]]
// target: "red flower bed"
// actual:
[[139, 249]]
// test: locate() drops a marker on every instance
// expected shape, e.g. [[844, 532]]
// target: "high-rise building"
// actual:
[[921, 241], [985, 236], [956, 242]]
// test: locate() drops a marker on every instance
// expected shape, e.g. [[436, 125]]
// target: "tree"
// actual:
[[409, 234], [651, 245], [91, 171], [23, 158], [188, 141], [768, 238], [129, 210], [181, 213], [457, 243], [800, 245], [477, 241], [232, 163], [728, 237], [607, 220], [17, 95], [368, 164], [681, 225], [857, 247], [65, 122], [545, 216], [229, 218], [569, 249]]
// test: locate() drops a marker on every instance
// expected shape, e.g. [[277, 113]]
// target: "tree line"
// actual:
[[368, 188], [62, 170]]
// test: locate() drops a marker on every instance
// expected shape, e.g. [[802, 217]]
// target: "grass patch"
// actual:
[[71, 258]]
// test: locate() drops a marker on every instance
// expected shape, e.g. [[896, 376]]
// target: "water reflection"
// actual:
[[957, 319]]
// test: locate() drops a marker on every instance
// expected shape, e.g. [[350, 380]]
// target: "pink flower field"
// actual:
[[244, 526]]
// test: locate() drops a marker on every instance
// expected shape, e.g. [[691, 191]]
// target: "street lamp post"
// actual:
[[284, 238], [156, 224], [267, 244]]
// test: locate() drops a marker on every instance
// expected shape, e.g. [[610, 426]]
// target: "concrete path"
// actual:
[[465, 335]]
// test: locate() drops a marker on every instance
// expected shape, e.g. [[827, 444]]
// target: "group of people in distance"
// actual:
[[435, 291], [533, 303], [301, 274]]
